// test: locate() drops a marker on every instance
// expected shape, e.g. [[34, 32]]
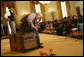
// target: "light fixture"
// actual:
[[44, 2]]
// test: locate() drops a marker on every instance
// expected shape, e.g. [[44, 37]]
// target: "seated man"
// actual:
[[28, 24]]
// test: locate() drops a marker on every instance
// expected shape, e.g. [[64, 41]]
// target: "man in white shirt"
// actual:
[[10, 18]]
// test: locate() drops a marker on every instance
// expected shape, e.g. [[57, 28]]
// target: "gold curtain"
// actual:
[[43, 12], [59, 9], [32, 6], [3, 12], [2, 15], [68, 8]]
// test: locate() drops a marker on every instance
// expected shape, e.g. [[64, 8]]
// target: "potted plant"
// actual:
[[77, 35], [42, 53]]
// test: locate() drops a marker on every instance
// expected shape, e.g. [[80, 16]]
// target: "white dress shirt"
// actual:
[[30, 19], [8, 14]]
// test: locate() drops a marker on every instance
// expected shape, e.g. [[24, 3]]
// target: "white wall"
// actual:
[[72, 8], [51, 7], [23, 7]]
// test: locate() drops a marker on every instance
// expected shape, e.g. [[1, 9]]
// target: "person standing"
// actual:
[[10, 18], [75, 21]]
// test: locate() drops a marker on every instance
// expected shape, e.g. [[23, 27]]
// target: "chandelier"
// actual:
[[44, 2]]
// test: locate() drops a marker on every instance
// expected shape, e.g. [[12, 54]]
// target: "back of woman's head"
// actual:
[[74, 17]]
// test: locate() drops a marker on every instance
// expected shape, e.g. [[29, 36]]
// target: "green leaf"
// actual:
[[52, 54]]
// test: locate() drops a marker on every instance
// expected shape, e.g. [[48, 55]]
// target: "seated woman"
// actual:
[[51, 26], [60, 28], [68, 25], [74, 23], [47, 25], [54, 24]]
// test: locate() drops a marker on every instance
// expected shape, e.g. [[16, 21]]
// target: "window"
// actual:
[[38, 10], [64, 10], [37, 7], [8, 22]]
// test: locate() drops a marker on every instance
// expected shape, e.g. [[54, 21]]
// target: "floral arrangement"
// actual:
[[78, 35], [70, 22], [42, 53], [49, 32], [5, 37]]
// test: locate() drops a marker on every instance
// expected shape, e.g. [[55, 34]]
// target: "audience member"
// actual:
[[42, 27], [62, 26]]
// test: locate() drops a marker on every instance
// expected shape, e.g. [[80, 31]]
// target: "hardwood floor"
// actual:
[[63, 46]]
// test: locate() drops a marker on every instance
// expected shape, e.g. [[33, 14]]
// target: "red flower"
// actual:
[[54, 31], [43, 53], [78, 33], [44, 31], [48, 31], [7, 35], [81, 33], [2, 37], [50, 50]]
